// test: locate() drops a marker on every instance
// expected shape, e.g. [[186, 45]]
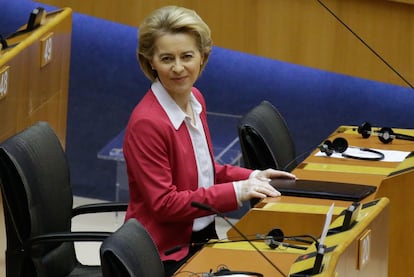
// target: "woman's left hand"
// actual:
[[268, 174]]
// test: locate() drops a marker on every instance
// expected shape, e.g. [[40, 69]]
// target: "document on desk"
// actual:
[[389, 155], [327, 223]]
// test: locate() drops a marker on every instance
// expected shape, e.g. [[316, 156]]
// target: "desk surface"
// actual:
[[353, 170]]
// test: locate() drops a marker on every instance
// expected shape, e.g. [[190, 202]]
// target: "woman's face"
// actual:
[[177, 62]]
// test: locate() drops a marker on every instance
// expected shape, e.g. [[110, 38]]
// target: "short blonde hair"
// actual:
[[171, 19]]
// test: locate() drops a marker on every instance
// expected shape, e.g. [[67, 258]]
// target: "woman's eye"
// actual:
[[166, 59]]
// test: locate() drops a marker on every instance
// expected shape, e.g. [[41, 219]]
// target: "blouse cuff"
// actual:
[[237, 189], [254, 174]]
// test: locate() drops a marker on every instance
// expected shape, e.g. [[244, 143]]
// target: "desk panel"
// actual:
[[238, 260], [367, 238], [293, 215], [37, 90]]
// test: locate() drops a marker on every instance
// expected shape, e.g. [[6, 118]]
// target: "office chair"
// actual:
[[37, 202], [265, 140], [130, 252]]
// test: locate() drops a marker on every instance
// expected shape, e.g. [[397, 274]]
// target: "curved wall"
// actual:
[[297, 31]]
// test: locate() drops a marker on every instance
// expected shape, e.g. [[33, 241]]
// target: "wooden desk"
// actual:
[[351, 170], [367, 238], [309, 215], [34, 76], [398, 188]]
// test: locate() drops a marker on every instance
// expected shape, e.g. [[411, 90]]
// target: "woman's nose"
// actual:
[[177, 66]]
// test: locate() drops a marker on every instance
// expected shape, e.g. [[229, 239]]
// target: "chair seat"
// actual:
[[86, 270], [130, 252], [38, 207]]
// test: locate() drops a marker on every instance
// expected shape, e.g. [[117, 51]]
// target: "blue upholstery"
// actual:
[[313, 102]]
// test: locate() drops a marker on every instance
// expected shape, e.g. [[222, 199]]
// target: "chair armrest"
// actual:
[[100, 208], [67, 237]]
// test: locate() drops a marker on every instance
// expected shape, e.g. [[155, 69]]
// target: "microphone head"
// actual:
[[202, 206], [173, 250]]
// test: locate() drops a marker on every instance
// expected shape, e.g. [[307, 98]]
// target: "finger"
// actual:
[[264, 179], [266, 190], [282, 174], [272, 173]]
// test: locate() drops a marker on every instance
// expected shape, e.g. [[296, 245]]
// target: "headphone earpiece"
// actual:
[[3, 43], [339, 145], [275, 236], [386, 135], [365, 130]]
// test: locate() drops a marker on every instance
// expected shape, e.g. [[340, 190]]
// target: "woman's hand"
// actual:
[[268, 174], [256, 188]]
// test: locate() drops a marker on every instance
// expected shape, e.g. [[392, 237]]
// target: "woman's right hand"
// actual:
[[256, 188]]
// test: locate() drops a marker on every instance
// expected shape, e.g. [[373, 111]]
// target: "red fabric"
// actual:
[[162, 176]]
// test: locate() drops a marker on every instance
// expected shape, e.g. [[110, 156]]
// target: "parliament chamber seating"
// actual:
[[105, 83]]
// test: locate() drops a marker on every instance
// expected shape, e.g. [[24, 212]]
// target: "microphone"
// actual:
[[173, 250], [365, 43], [286, 167], [294, 160], [211, 209]]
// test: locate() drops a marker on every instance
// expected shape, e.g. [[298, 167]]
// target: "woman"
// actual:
[[167, 146]]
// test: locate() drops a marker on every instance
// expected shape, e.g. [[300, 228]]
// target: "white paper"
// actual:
[[328, 220], [389, 155]]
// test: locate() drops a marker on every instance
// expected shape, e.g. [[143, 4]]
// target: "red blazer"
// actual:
[[163, 180]]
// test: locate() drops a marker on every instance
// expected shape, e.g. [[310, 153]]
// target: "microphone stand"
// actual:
[[317, 266]]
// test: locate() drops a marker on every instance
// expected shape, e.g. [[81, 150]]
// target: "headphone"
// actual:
[[3, 43], [275, 238], [340, 145], [227, 272], [385, 134]]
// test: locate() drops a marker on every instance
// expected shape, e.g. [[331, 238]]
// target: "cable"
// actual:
[[211, 209], [366, 44]]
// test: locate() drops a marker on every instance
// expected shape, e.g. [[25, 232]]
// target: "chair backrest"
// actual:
[[37, 199], [265, 139], [130, 252]]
